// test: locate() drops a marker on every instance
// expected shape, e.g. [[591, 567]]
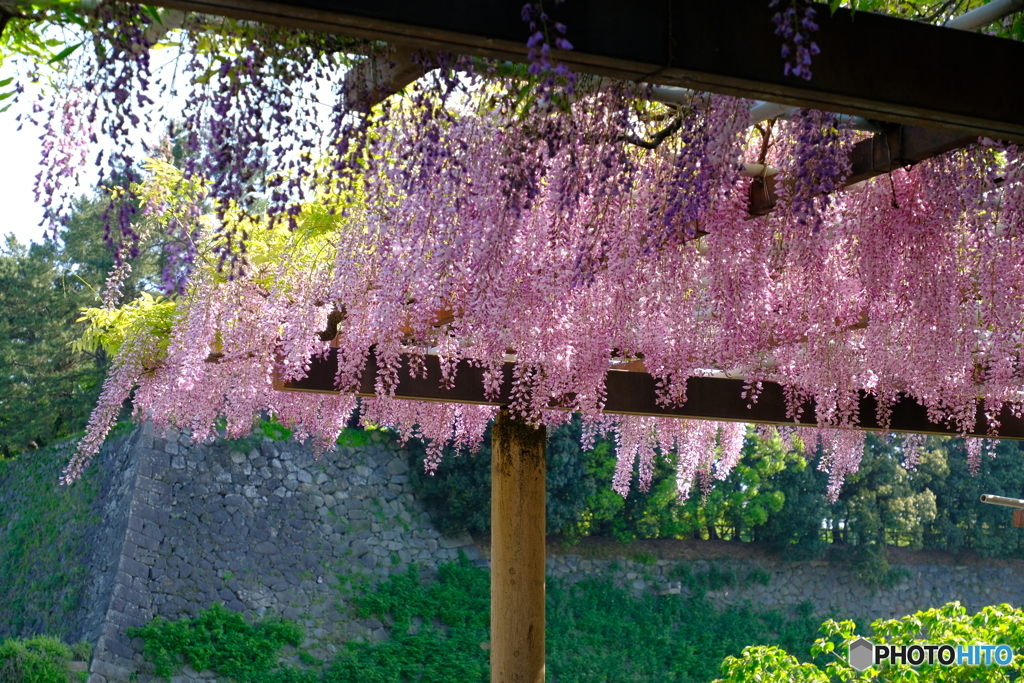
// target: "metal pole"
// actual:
[[518, 470], [1002, 500], [985, 15]]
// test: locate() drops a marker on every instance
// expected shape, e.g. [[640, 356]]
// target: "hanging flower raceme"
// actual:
[[458, 222]]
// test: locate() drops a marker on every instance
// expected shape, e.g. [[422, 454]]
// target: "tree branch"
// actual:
[[658, 138]]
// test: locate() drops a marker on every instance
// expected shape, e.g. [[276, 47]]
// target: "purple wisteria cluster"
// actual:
[[109, 97], [439, 256], [818, 162], [795, 24], [248, 131], [544, 35], [453, 221]]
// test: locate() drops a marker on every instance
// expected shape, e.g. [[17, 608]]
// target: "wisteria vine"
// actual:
[[459, 222]]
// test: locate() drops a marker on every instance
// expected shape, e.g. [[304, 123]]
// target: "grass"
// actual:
[[439, 633], [42, 541]]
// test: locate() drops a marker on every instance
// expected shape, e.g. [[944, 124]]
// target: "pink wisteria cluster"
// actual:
[[575, 239]]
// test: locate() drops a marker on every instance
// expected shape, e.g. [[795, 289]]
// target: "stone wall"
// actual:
[[120, 469], [830, 588], [266, 531], [271, 529]]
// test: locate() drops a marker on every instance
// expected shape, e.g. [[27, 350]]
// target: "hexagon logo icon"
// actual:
[[861, 654]]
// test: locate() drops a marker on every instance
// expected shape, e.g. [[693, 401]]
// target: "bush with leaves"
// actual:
[[42, 659], [218, 639], [596, 632], [436, 628], [949, 624]]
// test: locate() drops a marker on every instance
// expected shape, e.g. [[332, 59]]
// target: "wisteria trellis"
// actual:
[[567, 231]]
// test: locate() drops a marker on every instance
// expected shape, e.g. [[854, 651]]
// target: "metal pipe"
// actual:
[[750, 170], [985, 15], [668, 95], [1002, 500], [762, 111]]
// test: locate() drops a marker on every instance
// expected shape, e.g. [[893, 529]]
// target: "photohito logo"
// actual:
[[863, 653]]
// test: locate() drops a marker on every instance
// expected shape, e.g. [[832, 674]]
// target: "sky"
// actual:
[[21, 155]]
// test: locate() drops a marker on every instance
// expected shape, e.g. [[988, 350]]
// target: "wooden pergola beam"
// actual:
[[880, 154], [870, 65], [635, 393]]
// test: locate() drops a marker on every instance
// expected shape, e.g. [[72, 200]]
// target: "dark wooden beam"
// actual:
[[635, 393], [880, 154], [899, 147], [870, 65]]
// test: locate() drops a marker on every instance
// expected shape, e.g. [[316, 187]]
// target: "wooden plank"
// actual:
[[518, 537], [899, 147], [635, 393], [872, 65], [875, 156]]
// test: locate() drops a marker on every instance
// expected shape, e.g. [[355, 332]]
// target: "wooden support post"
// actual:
[[518, 471]]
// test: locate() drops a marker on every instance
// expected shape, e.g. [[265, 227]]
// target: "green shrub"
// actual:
[[950, 624], [596, 632], [43, 538], [436, 629], [758, 576], [645, 558], [354, 437], [82, 651], [220, 640], [42, 659]]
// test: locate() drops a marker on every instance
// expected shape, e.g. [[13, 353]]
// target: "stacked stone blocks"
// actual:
[[274, 531]]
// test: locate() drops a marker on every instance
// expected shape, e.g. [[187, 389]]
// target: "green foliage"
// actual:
[[82, 651], [220, 640], [595, 632], [961, 522], [883, 503], [354, 438], [645, 558], [49, 385], [108, 329], [42, 659], [41, 32], [458, 494], [271, 429], [274, 430], [43, 536], [949, 624], [46, 388], [757, 576], [714, 579], [739, 506], [436, 630]]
